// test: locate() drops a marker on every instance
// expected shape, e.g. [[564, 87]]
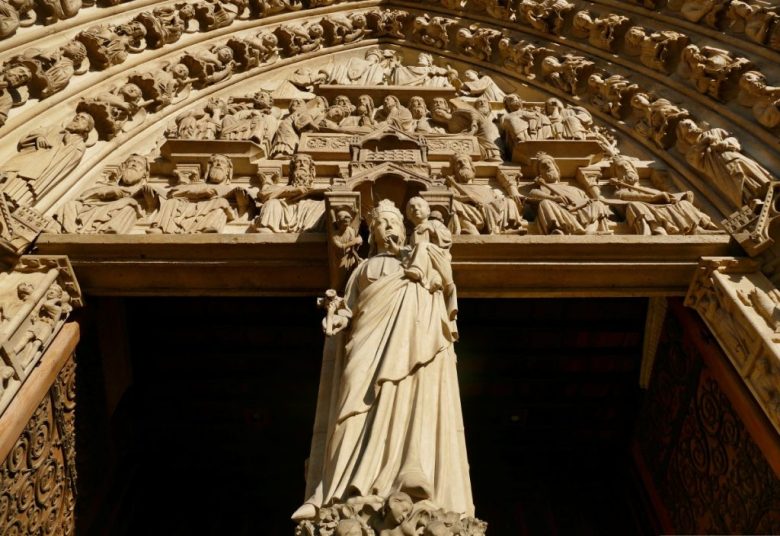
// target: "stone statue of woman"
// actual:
[[388, 421]]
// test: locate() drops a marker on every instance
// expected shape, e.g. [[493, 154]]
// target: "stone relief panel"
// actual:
[[265, 160], [35, 301], [740, 306]]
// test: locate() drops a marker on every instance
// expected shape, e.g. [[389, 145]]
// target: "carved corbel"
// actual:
[[36, 298], [342, 209], [742, 309]]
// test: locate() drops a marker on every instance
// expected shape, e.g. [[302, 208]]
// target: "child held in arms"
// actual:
[[429, 260]]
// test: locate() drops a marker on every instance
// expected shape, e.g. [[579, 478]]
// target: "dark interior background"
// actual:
[[213, 426]]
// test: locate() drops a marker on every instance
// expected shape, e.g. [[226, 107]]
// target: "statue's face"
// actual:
[[301, 171], [342, 100], [343, 219], [16, 76], [219, 170], [418, 210], [512, 102], [425, 60], [365, 104], [552, 105], [224, 55], [626, 171], [54, 293], [180, 71], [24, 290], [390, 102], [133, 171], [81, 122], [548, 170], [464, 170], [386, 228], [131, 92], [296, 104], [398, 507], [470, 75], [417, 107]]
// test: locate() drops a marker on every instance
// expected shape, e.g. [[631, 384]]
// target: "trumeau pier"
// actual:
[[394, 157]]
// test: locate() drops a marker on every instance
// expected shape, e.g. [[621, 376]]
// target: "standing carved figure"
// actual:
[[389, 425]]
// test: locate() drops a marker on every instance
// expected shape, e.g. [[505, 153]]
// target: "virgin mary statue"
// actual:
[[388, 418]]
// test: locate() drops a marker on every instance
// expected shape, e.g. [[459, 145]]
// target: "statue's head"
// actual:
[[343, 218], [186, 11], [365, 105], [343, 102], [513, 102], [75, 51], [552, 104], [417, 210], [296, 104], [315, 31], [752, 80], [131, 93], [391, 102], [624, 169], [470, 75], [219, 169], [418, 107], [635, 36], [688, 131], [24, 290], [55, 292], [263, 100], [374, 55], [425, 59], [179, 71], [224, 54], [17, 75], [398, 507], [582, 21], [547, 168], [387, 226], [302, 170], [463, 169], [133, 170], [82, 123], [482, 105]]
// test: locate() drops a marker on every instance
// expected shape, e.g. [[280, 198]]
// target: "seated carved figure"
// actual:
[[203, 207], [114, 206], [473, 119], [565, 209], [481, 208], [291, 208], [652, 211]]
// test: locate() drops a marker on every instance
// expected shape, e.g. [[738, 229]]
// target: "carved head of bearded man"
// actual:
[[24, 290], [219, 169], [418, 107], [263, 100], [302, 170], [624, 170], [133, 170], [365, 106], [17, 75], [463, 169], [547, 168], [440, 109], [513, 102], [343, 102]]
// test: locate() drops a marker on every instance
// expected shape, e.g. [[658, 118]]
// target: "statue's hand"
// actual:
[[338, 324]]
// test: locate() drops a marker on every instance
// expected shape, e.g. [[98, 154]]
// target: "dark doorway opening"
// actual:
[[211, 433]]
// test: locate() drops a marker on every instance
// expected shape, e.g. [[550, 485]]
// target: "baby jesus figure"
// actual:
[[429, 259]]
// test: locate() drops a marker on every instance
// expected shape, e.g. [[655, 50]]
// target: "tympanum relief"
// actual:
[[267, 160]]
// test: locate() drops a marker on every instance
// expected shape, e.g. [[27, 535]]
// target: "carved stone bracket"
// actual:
[[742, 308], [35, 301]]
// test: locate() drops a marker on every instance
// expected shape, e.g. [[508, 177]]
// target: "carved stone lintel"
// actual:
[[742, 309]]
